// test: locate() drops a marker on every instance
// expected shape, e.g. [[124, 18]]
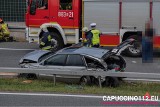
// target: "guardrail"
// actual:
[[98, 74], [17, 27]]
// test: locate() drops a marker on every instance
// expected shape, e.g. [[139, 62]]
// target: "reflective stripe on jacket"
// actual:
[[46, 48], [46, 41]]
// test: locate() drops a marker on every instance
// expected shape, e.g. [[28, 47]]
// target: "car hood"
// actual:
[[34, 56]]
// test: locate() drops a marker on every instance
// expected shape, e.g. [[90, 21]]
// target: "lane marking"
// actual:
[[13, 49], [145, 80], [57, 95]]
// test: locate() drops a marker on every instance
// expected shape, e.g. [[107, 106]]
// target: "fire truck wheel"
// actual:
[[135, 50], [56, 41]]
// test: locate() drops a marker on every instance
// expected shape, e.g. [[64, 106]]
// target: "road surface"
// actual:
[[11, 52]]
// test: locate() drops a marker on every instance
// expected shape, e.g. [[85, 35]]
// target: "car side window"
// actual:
[[92, 63], [57, 60], [74, 60]]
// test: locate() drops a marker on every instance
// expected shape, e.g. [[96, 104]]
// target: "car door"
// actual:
[[63, 62], [55, 62], [66, 13], [38, 15], [74, 63]]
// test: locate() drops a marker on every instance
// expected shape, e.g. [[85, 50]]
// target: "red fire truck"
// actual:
[[117, 20]]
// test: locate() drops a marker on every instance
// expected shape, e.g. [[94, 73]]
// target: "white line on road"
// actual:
[[13, 49], [144, 80], [57, 95]]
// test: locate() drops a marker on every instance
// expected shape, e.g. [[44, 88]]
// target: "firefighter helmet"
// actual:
[[85, 29], [44, 28]]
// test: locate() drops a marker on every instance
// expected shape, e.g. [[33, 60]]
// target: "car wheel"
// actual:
[[85, 80], [94, 81], [56, 41], [112, 82], [136, 49]]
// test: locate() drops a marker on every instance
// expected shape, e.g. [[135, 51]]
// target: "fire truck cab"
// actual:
[[118, 20], [62, 18]]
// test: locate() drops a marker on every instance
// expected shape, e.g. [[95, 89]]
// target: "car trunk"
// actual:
[[115, 62]]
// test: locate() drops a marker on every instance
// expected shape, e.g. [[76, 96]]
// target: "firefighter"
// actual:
[[45, 40], [93, 36], [4, 32], [86, 41]]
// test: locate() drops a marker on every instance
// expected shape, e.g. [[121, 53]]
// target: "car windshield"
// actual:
[[45, 56]]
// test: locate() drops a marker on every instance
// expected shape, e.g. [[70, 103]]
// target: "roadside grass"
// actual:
[[18, 85]]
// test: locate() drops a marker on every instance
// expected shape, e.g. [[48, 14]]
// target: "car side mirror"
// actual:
[[45, 62]]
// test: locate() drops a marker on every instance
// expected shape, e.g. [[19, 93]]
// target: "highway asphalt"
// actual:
[[69, 100], [11, 52], [38, 99]]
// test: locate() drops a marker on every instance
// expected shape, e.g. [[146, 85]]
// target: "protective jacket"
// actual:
[[4, 32], [5, 29], [45, 41], [95, 37]]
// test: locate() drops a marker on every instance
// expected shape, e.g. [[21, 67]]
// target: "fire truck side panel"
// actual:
[[65, 17], [77, 13], [156, 23], [53, 9], [135, 14], [41, 16], [110, 16], [105, 14], [156, 17], [69, 18], [109, 40]]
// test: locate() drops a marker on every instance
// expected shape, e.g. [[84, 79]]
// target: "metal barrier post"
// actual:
[[54, 79], [99, 80]]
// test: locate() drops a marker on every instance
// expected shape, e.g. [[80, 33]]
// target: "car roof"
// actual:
[[95, 52]]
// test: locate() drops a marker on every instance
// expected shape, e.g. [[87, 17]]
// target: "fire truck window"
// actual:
[[42, 4], [65, 5], [33, 7]]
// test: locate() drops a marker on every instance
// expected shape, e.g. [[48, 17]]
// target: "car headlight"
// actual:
[[21, 61]]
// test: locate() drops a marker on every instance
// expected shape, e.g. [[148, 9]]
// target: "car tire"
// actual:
[[112, 82], [85, 80], [135, 50], [94, 81], [56, 41]]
